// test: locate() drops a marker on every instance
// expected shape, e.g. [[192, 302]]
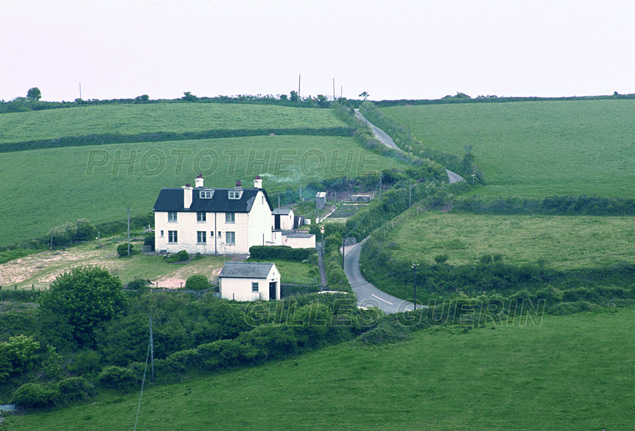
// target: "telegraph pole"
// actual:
[[128, 210], [380, 175], [414, 283], [410, 204], [151, 348]]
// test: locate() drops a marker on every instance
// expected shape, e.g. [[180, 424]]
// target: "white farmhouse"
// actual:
[[212, 221], [220, 221], [245, 281]]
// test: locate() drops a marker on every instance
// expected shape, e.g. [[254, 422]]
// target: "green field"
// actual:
[[561, 242], [536, 149], [157, 117], [564, 373], [45, 188]]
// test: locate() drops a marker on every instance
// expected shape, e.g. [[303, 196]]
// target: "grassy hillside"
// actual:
[[535, 149], [561, 242], [45, 188], [157, 117], [572, 372]]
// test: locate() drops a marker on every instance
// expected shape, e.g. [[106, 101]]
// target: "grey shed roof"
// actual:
[[246, 270], [283, 211]]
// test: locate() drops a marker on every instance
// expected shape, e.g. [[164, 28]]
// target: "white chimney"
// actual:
[[258, 182], [198, 182], [187, 196]]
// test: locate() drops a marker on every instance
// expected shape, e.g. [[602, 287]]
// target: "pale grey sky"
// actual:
[[392, 49]]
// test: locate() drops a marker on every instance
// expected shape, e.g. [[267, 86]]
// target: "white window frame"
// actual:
[[205, 194], [172, 216], [230, 217], [235, 194], [230, 238], [254, 284], [201, 237], [201, 217], [173, 237]]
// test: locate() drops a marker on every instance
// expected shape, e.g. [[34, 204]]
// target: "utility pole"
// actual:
[[333, 89], [98, 239], [128, 210], [380, 186], [410, 204], [301, 193], [299, 86], [80, 90], [414, 283], [152, 348], [278, 201]]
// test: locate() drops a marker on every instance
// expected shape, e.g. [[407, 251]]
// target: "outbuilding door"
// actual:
[[272, 290]]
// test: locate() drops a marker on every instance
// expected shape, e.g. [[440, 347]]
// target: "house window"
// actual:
[[161, 234], [201, 217], [235, 194], [230, 217], [230, 238], [211, 234], [206, 194], [219, 235], [254, 286], [172, 216], [201, 237], [173, 236]]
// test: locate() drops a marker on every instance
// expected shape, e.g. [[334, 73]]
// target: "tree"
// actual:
[[33, 94], [79, 300], [188, 96], [365, 95], [294, 96], [197, 282]]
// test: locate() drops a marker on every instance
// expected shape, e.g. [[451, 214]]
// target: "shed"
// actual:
[[249, 281], [283, 219], [320, 200]]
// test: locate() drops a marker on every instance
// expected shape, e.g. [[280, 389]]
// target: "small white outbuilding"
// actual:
[[247, 281]]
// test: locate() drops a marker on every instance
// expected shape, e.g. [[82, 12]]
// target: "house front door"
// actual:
[[272, 290]]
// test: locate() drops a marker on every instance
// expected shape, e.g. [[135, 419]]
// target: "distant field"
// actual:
[[561, 242], [45, 188], [535, 149], [565, 373], [156, 117]]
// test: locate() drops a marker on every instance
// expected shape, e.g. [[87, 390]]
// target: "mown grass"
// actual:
[[536, 149], [156, 117], [294, 272], [45, 188], [566, 372], [560, 242]]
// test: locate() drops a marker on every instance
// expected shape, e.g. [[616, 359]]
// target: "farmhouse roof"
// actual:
[[171, 199], [246, 270]]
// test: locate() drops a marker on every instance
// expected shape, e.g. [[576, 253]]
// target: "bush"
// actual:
[[197, 282], [138, 284], [441, 258], [75, 389], [181, 256], [122, 249], [86, 363], [280, 252], [565, 308], [119, 378], [36, 395]]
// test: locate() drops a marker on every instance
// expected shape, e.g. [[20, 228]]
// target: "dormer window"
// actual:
[[235, 194], [205, 194]]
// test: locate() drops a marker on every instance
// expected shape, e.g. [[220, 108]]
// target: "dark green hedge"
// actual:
[[280, 252], [109, 138]]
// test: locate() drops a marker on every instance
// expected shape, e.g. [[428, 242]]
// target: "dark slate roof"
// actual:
[[171, 199], [246, 270], [282, 211]]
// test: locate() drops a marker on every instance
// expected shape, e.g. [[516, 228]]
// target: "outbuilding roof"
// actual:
[[171, 199], [282, 211], [246, 270]]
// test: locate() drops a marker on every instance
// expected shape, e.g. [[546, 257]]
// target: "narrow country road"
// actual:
[[367, 294], [383, 137]]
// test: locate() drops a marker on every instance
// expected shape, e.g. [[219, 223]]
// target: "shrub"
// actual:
[[36, 395], [441, 258], [86, 363], [122, 249], [280, 252], [197, 282], [565, 308], [181, 256], [138, 284], [75, 389], [120, 378]]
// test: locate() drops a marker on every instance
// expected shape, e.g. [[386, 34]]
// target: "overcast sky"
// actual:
[[392, 49]]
